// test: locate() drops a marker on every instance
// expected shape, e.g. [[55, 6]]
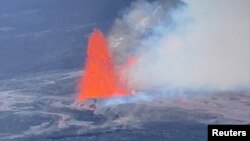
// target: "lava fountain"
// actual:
[[100, 79]]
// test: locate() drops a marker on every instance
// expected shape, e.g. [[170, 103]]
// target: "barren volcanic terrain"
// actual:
[[42, 107]]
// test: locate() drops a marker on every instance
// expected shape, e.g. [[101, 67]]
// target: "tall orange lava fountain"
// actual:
[[100, 79]]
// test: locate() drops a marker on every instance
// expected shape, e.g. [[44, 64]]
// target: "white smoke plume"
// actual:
[[190, 43]]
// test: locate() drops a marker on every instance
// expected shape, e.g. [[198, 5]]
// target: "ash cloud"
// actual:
[[189, 43]]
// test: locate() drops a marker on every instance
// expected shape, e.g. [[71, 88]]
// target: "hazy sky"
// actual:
[[38, 35]]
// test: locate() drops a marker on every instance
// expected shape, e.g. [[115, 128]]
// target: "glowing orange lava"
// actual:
[[100, 79]]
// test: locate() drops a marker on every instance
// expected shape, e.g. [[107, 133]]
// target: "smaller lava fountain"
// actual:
[[100, 79]]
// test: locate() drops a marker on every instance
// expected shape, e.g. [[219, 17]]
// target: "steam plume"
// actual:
[[191, 43]]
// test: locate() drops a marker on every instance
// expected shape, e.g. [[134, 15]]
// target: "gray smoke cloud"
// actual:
[[189, 43]]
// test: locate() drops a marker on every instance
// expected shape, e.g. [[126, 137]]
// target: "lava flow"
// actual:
[[100, 79]]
